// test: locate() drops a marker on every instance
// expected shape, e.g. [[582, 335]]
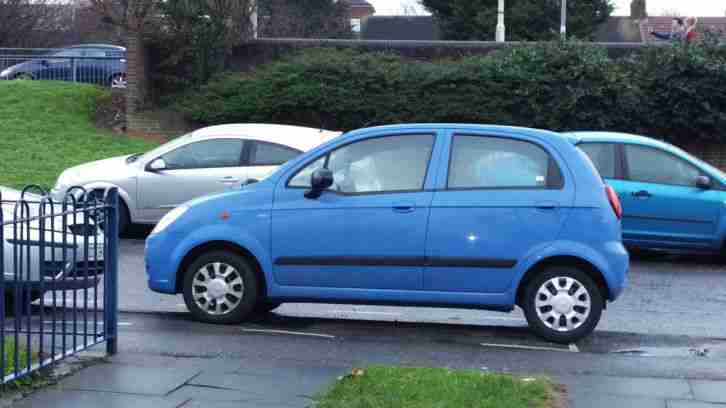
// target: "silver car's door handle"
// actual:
[[229, 180]]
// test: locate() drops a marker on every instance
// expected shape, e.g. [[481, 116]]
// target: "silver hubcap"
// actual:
[[563, 304], [217, 288], [119, 82]]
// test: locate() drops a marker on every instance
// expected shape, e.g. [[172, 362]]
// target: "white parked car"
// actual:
[[205, 161], [66, 265]]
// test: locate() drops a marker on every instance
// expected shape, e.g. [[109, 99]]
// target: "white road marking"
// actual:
[[287, 332], [521, 347]]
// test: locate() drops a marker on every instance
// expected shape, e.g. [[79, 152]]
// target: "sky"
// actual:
[[699, 8]]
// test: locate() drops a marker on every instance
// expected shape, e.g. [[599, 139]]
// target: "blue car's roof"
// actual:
[[462, 126]]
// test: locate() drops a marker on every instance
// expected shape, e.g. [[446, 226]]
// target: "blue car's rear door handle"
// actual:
[[547, 205]]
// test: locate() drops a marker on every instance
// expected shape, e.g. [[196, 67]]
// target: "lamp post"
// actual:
[[500, 23], [563, 21]]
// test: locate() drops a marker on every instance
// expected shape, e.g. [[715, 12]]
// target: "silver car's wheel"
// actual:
[[218, 288], [119, 81], [563, 304], [221, 287]]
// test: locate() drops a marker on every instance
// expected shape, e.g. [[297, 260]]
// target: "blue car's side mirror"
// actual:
[[321, 180], [704, 182]]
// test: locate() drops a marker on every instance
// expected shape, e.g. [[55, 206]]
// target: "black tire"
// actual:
[[250, 291], [25, 303], [124, 219], [265, 307], [597, 304]]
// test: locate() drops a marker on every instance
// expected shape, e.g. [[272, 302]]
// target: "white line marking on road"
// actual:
[[361, 312], [521, 347], [292, 333], [574, 348]]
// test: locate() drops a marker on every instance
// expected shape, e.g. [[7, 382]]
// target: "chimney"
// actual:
[[638, 10]]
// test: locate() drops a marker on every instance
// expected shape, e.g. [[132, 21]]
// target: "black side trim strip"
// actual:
[[439, 262], [692, 221], [350, 261], [452, 262]]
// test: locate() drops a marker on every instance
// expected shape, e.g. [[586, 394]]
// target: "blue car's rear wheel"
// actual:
[[221, 287], [563, 304]]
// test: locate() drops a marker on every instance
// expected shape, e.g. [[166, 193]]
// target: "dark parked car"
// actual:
[[92, 63]]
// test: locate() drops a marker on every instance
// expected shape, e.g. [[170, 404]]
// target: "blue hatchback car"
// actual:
[[464, 216], [670, 199]]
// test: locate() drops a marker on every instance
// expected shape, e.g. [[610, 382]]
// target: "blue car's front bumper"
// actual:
[[160, 268]]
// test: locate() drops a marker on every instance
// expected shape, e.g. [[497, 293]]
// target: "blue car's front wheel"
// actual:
[[221, 287]]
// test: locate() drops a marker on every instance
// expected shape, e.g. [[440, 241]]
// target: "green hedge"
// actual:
[[674, 92]]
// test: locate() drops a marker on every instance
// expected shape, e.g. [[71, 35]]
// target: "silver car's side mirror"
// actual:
[[156, 165]]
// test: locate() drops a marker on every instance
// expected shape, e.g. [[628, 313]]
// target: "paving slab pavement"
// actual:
[[162, 382], [622, 392]]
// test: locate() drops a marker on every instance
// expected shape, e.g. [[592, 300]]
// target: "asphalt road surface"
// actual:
[[668, 295]]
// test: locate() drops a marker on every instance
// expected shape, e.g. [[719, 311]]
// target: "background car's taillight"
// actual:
[[614, 201]]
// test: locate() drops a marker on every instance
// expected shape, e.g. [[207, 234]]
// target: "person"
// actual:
[[691, 33], [678, 31]]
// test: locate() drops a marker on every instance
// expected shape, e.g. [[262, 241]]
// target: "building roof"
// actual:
[[663, 24], [420, 28], [359, 3]]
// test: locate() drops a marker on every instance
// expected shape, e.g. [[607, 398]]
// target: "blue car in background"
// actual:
[[670, 199], [92, 63], [465, 216]]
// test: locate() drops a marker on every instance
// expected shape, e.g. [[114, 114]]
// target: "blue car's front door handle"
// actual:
[[641, 194], [404, 208]]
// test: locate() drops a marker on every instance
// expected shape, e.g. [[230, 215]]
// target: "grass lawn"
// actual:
[[46, 127], [30, 380], [384, 387]]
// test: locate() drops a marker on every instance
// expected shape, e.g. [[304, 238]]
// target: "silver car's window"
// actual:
[[270, 154], [205, 154], [492, 162], [179, 141], [649, 165]]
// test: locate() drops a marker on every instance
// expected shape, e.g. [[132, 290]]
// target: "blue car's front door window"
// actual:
[[382, 165]]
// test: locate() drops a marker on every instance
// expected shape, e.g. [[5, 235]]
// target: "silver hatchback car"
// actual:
[[205, 161]]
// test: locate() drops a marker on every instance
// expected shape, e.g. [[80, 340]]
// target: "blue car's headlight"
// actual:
[[169, 219]]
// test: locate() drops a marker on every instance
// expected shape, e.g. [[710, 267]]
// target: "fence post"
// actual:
[[73, 69], [110, 279]]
